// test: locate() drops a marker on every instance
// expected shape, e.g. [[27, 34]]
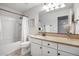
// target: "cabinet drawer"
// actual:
[[50, 44], [35, 40], [60, 53], [48, 51], [36, 49], [68, 48]]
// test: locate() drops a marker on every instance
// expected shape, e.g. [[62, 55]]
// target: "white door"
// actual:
[[49, 52], [36, 49], [60, 53]]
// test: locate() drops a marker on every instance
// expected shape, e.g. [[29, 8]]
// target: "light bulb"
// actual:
[[53, 6], [62, 5], [44, 8]]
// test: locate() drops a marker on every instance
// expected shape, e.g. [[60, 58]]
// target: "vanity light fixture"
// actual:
[[52, 6]]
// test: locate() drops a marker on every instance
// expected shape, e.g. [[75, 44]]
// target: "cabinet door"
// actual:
[[68, 48], [35, 49], [60, 53], [48, 51]]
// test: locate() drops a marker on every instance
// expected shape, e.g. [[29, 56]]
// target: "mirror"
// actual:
[[60, 20]]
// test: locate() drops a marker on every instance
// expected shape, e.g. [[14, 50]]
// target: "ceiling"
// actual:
[[68, 5], [21, 7]]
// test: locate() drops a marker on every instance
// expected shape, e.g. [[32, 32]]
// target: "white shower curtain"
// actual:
[[25, 31], [25, 28]]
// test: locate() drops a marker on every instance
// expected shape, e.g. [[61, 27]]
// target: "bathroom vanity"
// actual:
[[53, 46]]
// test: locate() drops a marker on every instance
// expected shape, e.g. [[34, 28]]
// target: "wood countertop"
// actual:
[[68, 41]]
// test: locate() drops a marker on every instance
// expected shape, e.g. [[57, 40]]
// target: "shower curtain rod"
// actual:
[[12, 12]]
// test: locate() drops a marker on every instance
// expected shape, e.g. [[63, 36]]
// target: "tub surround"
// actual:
[[10, 48]]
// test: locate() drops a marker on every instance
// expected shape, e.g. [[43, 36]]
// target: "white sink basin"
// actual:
[[25, 44]]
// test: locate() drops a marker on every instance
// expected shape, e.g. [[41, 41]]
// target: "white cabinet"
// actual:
[[40, 47], [68, 48], [49, 48], [49, 44], [61, 53], [48, 51], [35, 40], [46, 48], [36, 49]]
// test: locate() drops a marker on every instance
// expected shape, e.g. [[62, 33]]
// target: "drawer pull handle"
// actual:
[[58, 53], [48, 51], [48, 44], [40, 47]]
